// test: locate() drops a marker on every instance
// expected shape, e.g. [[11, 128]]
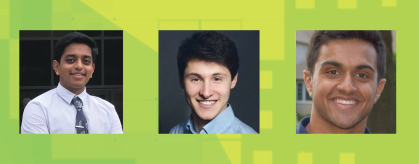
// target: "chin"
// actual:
[[345, 124], [78, 86], [206, 117]]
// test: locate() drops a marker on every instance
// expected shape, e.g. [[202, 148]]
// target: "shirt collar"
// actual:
[[217, 125], [189, 125], [67, 96], [304, 122], [367, 131]]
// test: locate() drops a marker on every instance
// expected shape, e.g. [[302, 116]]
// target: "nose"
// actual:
[[206, 90], [78, 65], [347, 85]]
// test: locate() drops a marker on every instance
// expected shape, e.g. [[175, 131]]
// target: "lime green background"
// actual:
[[277, 21]]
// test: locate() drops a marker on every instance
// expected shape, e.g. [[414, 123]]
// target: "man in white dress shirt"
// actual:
[[69, 109]]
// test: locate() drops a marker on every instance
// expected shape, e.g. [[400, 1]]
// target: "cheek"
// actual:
[[62, 70], [221, 89], [90, 71], [318, 87], [367, 91], [192, 89], [321, 89]]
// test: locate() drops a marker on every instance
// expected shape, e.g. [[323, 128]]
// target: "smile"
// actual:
[[345, 102], [77, 74], [206, 102]]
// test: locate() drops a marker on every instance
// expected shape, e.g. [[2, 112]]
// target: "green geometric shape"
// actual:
[[389, 3], [347, 4], [304, 4]]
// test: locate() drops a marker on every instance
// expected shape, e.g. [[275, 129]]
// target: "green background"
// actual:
[[277, 21]]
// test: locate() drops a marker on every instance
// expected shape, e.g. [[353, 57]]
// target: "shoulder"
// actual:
[[42, 100], [34, 119], [179, 128], [44, 97], [242, 128], [101, 102]]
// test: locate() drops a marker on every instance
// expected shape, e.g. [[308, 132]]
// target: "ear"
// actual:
[[182, 85], [234, 82], [55, 65], [308, 81], [380, 88]]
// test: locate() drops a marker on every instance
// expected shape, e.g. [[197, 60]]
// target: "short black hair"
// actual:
[[320, 38], [74, 37], [209, 46]]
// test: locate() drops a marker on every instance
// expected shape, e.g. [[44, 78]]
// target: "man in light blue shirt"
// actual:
[[68, 108], [208, 65]]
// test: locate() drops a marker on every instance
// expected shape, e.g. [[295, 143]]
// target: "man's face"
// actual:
[[344, 82], [76, 67], [207, 88]]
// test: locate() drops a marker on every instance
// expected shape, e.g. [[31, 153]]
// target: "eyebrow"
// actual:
[[340, 65], [72, 55], [196, 74], [219, 74], [331, 63], [193, 74], [365, 67]]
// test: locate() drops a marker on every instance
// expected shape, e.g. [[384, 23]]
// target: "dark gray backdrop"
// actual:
[[244, 98]]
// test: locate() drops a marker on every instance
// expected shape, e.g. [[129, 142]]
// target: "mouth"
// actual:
[[206, 103], [78, 75], [345, 103]]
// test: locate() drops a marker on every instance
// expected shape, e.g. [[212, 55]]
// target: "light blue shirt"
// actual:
[[52, 112], [224, 123]]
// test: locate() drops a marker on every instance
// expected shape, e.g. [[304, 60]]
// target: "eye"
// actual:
[[217, 79], [333, 72], [194, 79], [87, 61], [70, 60], [361, 75]]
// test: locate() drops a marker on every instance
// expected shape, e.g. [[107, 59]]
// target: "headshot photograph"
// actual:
[[70, 82], [209, 82], [346, 82]]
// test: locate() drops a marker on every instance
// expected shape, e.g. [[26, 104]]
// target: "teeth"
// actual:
[[207, 102], [77, 74], [345, 102]]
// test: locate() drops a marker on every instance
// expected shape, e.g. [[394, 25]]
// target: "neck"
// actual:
[[76, 91], [318, 124], [198, 123]]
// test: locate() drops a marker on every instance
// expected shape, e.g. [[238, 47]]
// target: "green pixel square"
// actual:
[[304, 4], [389, 3], [347, 4]]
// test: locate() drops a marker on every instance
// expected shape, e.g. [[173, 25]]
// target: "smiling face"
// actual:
[[344, 82], [207, 88], [76, 67]]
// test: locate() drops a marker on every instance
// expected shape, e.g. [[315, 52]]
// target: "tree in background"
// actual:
[[382, 118]]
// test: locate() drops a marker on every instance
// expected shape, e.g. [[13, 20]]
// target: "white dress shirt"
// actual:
[[52, 112]]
